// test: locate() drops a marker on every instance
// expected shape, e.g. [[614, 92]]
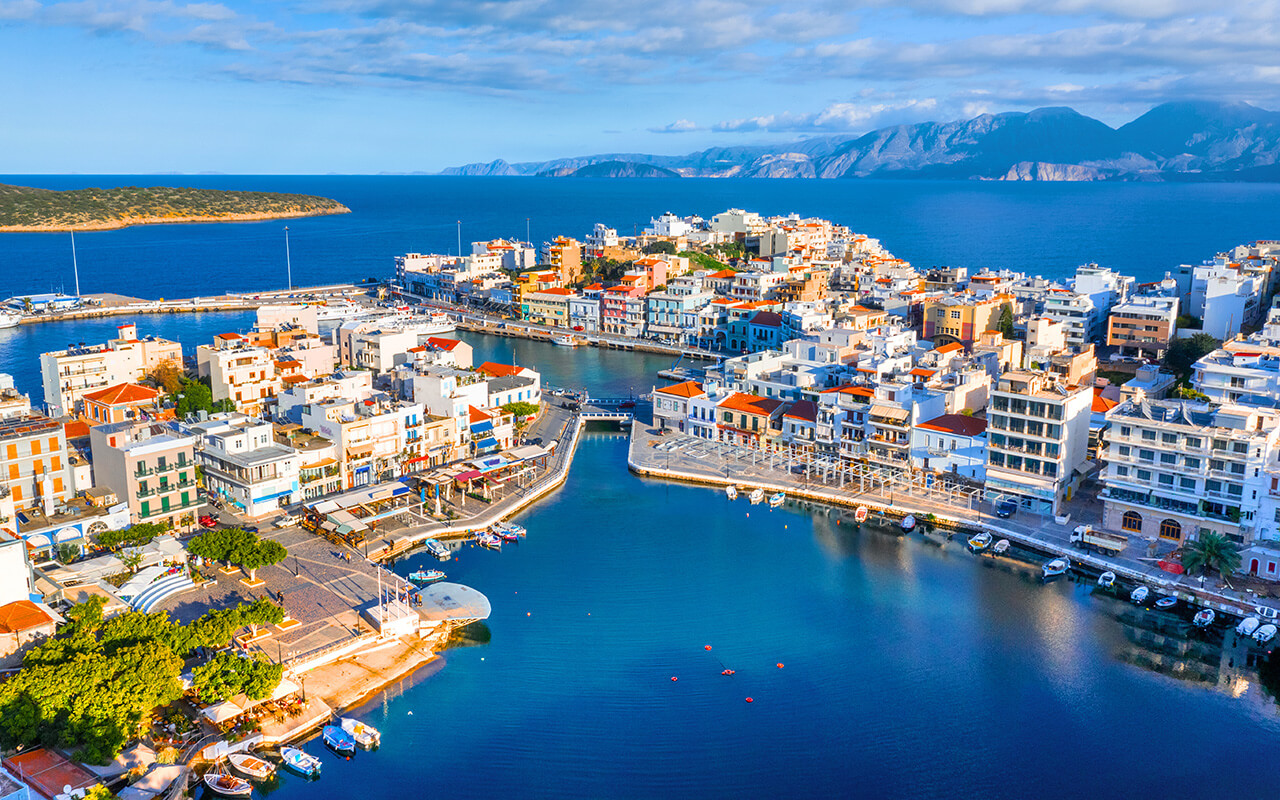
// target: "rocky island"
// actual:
[[25, 208]]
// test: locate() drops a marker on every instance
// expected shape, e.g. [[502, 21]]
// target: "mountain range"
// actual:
[[1193, 140]]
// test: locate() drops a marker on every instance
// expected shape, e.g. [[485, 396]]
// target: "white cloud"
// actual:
[[679, 126], [835, 118]]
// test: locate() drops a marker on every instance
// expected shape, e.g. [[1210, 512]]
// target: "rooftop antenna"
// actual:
[[74, 265], [288, 263], [459, 238], [527, 237]]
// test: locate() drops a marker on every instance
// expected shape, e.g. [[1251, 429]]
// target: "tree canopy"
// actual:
[[1183, 353], [1211, 551], [197, 396], [239, 547], [660, 247], [228, 674], [521, 409], [137, 535], [1005, 325]]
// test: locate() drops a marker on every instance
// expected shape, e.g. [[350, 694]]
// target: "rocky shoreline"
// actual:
[[111, 225]]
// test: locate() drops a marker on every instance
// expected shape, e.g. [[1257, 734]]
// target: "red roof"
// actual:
[[123, 394], [557, 291], [750, 404], [496, 370], [229, 336], [924, 373], [22, 615], [475, 415], [1102, 405], [958, 424], [806, 410], [75, 430], [442, 343], [950, 348], [686, 389]]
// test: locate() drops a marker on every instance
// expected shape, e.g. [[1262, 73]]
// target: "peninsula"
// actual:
[[25, 208]]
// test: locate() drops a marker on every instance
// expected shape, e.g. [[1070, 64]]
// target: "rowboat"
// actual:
[[425, 575], [860, 515], [301, 762], [438, 549], [979, 542], [756, 496], [731, 492], [1203, 618], [1264, 634], [338, 739], [251, 766], [776, 500], [1107, 580], [1248, 625], [1056, 567], [1140, 595], [1001, 547], [1167, 602], [227, 785], [487, 539], [908, 523], [365, 735]]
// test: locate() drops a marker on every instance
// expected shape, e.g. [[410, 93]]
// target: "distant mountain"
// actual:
[[1174, 141]]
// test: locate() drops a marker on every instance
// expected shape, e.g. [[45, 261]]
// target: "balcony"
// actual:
[[143, 470]]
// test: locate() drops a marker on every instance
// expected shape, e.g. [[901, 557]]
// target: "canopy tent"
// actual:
[[221, 712]]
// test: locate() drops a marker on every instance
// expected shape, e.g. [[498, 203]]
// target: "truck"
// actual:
[[1110, 543]]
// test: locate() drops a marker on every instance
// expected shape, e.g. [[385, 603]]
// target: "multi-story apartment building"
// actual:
[[149, 466], [961, 318], [548, 307], [125, 401], [1037, 438], [239, 372], [1174, 470], [1244, 371], [1077, 312], [584, 310], [245, 466], [671, 404], [1226, 297], [319, 470], [1143, 326], [68, 375], [376, 345], [34, 462], [951, 443], [564, 256]]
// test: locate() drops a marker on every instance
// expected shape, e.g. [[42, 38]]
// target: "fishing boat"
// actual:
[[1203, 618], [1001, 547], [1264, 634], [979, 542], [1107, 580], [860, 515], [252, 767], [731, 492], [300, 761], [1166, 602], [1248, 625], [438, 549], [1056, 567], [365, 735], [564, 340], [777, 499], [338, 739], [908, 523], [227, 785], [1140, 595], [511, 528], [503, 534], [756, 496], [426, 575], [489, 540]]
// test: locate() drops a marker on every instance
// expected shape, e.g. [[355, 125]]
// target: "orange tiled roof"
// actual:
[[22, 615], [686, 389], [496, 370], [750, 404], [123, 394], [442, 343], [949, 348]]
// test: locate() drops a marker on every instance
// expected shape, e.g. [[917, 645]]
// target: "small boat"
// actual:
[[487, 539], [503, 534], [1001, 547], [1264, 634], [1166, 602], [438, 549], [1107, 580], [365, 735], [908, 523], [756, 496], [426, 575], [252, 767], [776, 500], [979, 542], [1203, 618], [338, 739], [227, 785], [300, 761], [1056, 567], [564, 340], [9, 319], [1140, 595], [731, 492], [860, 515], [510, 528], [1248, 625]]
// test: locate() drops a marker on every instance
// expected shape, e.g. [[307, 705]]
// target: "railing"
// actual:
[[143, 470]]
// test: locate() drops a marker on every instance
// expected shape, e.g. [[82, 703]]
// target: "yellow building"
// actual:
[[548, 307], [962, 317], [564, 255]]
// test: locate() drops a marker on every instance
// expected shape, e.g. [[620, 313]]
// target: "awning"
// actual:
[[486, 444], [482, 427], [890, 412], [468, 476], [221, 712], [528, 452]]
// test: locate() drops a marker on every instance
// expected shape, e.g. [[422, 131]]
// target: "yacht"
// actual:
[[337, 312], [8, 319]]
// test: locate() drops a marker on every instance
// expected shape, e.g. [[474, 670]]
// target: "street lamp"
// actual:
[[288, 263]]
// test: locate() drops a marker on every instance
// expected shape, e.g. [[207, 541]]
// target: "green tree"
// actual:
[[1183, 353], [239, 547], [1211, 551], [228, 674], [137, 535], [195, 396], [131, 559], [521, 409], [68, 552], [1005, 325], [660, 247]]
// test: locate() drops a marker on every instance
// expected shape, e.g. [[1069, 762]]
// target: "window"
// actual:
[[955, 315], [1169, 438], [1148, 436], [1124, 450], [1125, 430], [1187, 484], [1165, 480], [1132, 521], [1240, 447], [1168, 458], [1144, 474], [1146, 455], [1124, 471], [1213, 486], [1171, 529], [1195, 442], [1191, 463]]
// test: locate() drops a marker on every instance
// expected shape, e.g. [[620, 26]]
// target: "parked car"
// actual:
[[579, 328], [208, 521], [249, 528], [1006, 509]]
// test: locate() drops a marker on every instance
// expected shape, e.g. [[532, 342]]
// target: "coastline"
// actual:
[[115, 225]]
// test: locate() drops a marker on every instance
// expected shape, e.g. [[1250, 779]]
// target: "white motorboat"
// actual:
[[979, 542], [564, 340], [756, 496], [365, 735], [777, 499], [1056, 567], [510, 529], [227, 785], [300, 761], [1107, 580], [1203, 618], [9, 320], [438, 549], [860, 514], [1265, 633], [731, 492], [1140, 595], [1248, 625], [341, 311], [252, 767], [1001, 547], [489, 540], [908, 523]]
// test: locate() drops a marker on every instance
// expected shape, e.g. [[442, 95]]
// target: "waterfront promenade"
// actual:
[[114, 305], [680, 457]]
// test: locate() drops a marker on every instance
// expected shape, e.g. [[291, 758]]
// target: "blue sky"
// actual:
[[364, 86]]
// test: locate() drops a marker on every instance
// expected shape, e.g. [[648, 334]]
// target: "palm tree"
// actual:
[[1211, 551]]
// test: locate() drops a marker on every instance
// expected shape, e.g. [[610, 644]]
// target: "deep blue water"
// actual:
[[1048, 228]]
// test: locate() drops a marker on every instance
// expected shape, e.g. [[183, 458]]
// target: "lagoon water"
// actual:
[[910, 670]]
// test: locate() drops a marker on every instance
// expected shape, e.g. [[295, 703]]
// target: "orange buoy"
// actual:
[[749, 700], [779, 665], [528, 613], [674, 678], [706, 647]]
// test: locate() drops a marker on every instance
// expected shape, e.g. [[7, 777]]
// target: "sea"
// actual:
[[865, 664]]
